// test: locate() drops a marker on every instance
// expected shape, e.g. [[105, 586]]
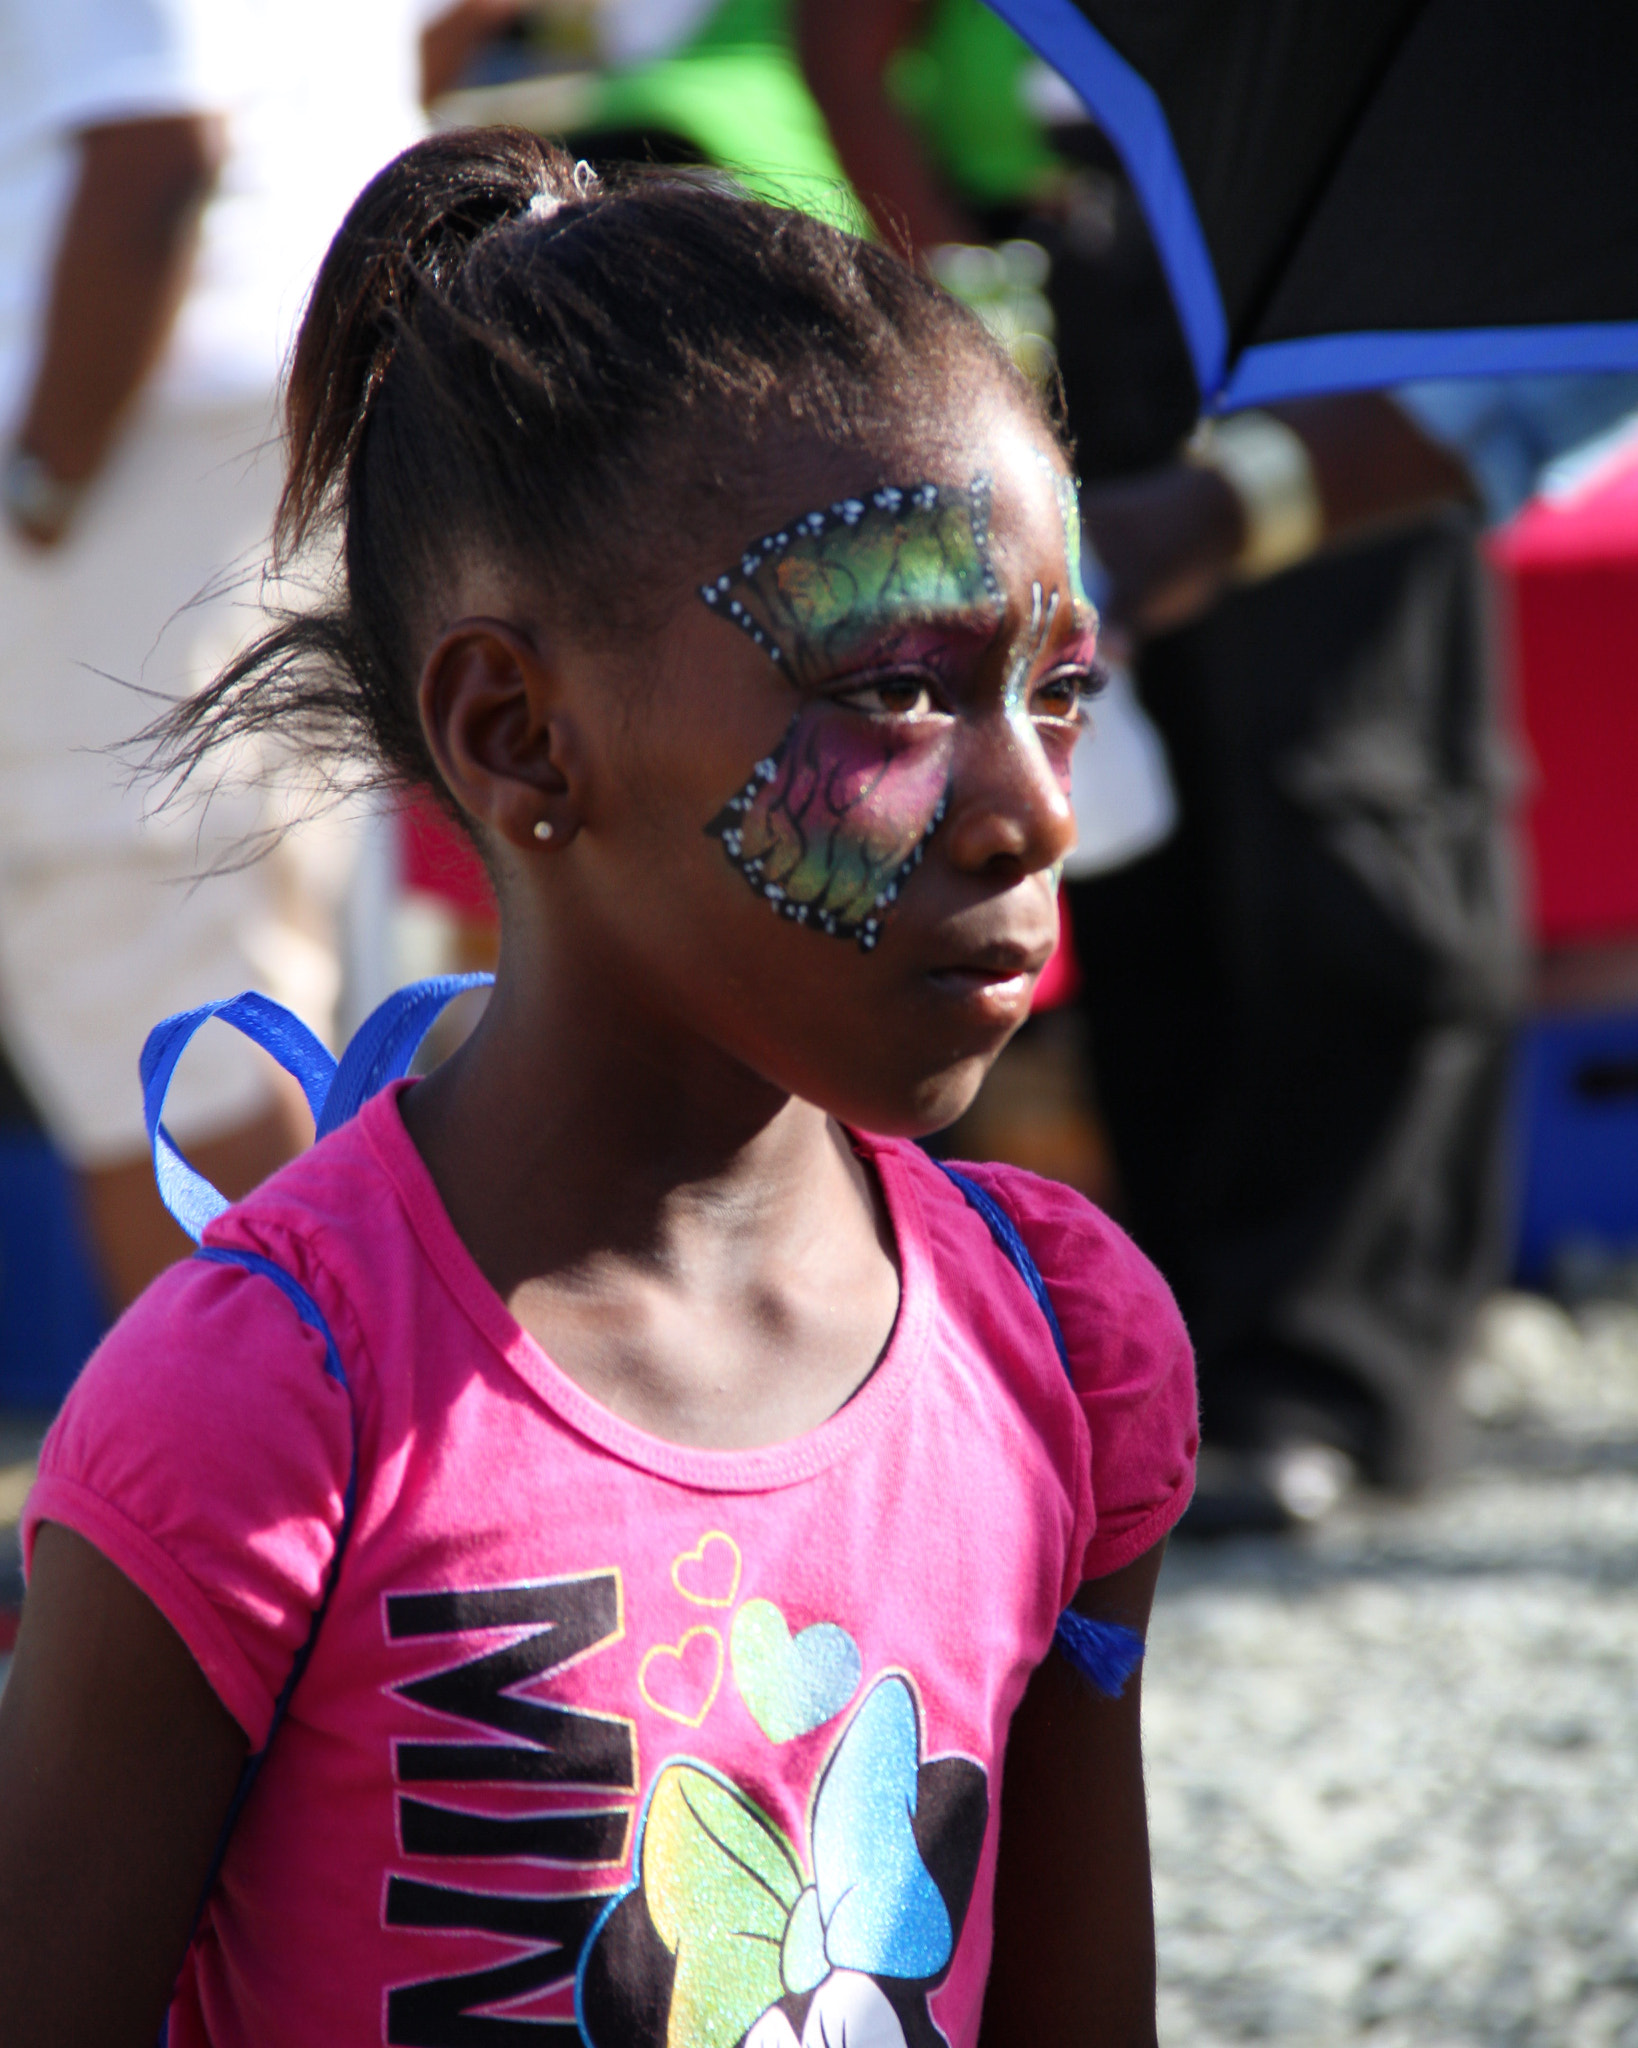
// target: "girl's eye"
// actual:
[[892, 696], [1067, 692]]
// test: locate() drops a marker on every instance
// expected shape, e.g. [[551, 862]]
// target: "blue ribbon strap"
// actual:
[[381, 1051], [386, 1042], [184, 1190]]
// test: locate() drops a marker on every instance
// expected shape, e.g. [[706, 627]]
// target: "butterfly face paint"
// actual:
[[830, 826], [814, 594]]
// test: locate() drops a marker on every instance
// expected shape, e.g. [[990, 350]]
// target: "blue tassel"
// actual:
[[1103, 1652]]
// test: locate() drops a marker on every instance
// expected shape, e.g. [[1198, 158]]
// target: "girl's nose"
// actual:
[[1008, 801]]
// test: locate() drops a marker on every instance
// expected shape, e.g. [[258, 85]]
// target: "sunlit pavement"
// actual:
[[1393, 1764]]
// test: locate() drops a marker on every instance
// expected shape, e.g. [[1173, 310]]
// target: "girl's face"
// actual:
[[826, 828]]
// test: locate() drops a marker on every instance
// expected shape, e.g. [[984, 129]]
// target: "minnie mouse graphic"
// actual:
[[722, 1940]]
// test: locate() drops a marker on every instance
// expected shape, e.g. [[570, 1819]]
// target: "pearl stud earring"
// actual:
[[543, 828]]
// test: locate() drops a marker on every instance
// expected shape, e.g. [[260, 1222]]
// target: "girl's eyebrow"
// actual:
[[887, 635]]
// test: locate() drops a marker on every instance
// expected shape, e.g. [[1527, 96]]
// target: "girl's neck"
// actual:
[[702, 1253], [558, 1134]]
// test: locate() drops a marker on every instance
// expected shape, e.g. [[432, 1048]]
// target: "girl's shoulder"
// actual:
[[1109, 1298], [207, 1445], [1130, 1358]]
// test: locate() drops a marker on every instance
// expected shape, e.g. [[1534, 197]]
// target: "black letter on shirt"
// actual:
[[439, 2014], [565, 1745]]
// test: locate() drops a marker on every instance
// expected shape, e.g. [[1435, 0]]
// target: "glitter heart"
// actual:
[[792, 1684]]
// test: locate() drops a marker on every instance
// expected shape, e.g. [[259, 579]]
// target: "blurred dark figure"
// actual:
[[1300, 1006]]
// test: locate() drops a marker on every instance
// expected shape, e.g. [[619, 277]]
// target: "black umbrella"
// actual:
[[1350, 193]]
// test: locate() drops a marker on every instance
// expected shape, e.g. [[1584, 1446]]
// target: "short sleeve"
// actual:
[[1132, 1361], [103, 61], [205, 1451]]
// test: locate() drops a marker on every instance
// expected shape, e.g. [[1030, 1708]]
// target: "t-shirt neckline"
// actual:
[[862, 1416]]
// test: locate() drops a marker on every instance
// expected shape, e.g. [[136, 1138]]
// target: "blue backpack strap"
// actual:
[[184, 1190], [1102, 1651], [381, 1051], [387, 1040]]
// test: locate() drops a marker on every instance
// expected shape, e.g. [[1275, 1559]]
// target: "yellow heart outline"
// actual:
[[678, 1650], [697, 1556]]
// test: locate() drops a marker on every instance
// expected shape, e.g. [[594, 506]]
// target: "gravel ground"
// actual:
[[1393, 1765]]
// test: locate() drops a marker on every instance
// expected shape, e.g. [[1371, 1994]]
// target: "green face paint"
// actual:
[[1044, 611], [1069, 511], [816, 593]]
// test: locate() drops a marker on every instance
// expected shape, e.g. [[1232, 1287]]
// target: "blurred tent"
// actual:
[[1569, 572], [1346, 197]]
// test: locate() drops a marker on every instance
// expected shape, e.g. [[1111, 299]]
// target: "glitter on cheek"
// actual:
[[832, 824]]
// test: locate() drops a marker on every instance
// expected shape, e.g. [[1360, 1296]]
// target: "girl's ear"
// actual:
[[492, 710]]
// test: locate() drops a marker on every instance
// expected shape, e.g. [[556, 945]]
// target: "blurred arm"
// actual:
[[117, 1763], [121, 270], [845, 46], [1074, 1954], [1171, 538]]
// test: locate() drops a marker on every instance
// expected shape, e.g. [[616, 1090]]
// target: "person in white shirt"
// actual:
[[171, 172]]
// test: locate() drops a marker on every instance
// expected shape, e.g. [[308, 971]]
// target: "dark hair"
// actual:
[[506, 354]]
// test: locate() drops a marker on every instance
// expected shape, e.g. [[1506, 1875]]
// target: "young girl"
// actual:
[[705, 1482]]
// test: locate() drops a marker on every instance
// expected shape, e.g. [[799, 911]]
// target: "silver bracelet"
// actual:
[[1267, 466]]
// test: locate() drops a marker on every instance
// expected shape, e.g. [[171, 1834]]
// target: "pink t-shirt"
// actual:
[[604, 1739]]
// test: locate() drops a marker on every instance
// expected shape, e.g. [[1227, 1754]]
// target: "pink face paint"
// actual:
[[832, 824]]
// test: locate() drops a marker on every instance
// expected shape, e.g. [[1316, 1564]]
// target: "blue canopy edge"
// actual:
[[1132, 117], [1356, 362]]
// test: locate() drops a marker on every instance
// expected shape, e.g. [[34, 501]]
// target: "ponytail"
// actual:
[[411, 229]]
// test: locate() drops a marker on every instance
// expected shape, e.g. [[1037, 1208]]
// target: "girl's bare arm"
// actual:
[[1074, 1963], [117, 1763]]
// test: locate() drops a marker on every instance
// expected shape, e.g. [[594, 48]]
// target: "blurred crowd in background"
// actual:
[[1303, 931]]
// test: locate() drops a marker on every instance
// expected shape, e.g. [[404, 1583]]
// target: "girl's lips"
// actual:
[[1002, 982], [968, 980]]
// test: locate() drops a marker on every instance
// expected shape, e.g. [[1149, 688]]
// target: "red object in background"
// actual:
[[1061, 977], [1570, 574], [438, 860]]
